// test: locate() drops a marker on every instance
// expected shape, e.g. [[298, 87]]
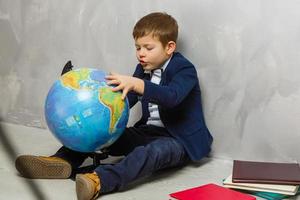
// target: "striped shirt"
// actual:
[[154, 118]]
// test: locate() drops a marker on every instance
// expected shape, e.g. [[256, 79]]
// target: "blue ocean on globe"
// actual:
[[83, 113]]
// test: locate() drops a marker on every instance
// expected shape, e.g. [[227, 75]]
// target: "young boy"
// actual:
[[172, 129]]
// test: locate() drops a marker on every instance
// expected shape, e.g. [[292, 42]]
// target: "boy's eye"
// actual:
[[149, 48], [138, 48]]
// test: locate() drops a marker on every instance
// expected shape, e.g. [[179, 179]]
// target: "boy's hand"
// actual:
[[125, 83]]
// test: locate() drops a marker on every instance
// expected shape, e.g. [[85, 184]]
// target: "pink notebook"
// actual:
[[210, 192]]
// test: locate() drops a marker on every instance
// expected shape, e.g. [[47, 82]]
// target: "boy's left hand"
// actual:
[[125, 83]]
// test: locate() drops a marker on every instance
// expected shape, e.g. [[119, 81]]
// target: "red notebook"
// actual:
[[210, 192]]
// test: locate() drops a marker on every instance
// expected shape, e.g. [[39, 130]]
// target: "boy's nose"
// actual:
[[142, 53]]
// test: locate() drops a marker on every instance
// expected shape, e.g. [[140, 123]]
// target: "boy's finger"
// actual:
[[109, 77], [118, 88], [113, 82], [124, 93]]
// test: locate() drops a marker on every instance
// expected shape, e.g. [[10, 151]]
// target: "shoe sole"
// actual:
[[37, 168], [84, 190]]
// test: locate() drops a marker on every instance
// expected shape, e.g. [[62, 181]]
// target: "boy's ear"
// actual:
[[170, 48]]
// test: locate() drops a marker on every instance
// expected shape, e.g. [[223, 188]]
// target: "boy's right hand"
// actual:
[[125, 83]]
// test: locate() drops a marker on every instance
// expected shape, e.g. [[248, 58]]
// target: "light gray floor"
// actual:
[[27, 140]]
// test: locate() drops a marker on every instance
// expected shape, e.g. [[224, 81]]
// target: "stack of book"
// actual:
[[265, 179]]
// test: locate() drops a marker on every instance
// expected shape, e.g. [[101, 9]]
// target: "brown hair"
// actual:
[[159, 24]]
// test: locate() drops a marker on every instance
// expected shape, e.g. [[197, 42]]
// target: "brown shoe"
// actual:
[[87, 186], [40, 167]]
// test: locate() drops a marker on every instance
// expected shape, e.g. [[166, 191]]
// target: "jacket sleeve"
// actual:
[[175, 91]]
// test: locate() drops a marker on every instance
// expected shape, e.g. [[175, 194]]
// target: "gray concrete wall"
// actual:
[[247, 53]]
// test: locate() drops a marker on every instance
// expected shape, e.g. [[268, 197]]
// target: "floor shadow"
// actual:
[[11, 153]]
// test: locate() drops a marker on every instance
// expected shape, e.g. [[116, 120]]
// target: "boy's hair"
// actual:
[[159, 24]]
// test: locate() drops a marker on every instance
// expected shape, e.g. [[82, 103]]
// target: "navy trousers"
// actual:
[[146, 148]]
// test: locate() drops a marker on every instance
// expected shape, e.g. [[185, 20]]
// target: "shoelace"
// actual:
[[95, 178]]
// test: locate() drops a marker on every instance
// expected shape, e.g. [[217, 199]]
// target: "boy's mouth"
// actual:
[[143, 62]]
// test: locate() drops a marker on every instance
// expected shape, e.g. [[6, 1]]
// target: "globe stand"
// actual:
[[98, 156]]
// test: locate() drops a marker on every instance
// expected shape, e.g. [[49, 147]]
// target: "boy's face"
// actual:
[[151, 53]]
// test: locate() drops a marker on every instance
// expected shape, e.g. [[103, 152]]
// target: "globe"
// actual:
[[83, 113]]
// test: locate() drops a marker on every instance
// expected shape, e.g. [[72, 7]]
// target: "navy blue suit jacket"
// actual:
[[178, 97]]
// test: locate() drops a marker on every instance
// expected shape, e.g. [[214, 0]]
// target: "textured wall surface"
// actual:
[[247, 54]]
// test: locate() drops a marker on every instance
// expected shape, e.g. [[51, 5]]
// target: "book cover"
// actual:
[[210, 192], [265, 172], [275, 188], [269, 195]]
